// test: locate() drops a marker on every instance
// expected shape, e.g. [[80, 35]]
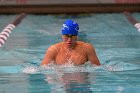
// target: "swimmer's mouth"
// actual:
[[69, 43]]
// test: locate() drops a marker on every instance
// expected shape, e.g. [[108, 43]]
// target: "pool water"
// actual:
[[115, 39]]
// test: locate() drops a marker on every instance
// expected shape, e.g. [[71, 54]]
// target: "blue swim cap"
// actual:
[[70, 27]]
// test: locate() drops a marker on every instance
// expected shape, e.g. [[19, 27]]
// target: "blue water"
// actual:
[[117, 46]]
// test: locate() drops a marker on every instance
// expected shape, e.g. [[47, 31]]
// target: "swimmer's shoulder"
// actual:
[[81, 42], [53, 48], [86, 46], [84, 43], [59, 44], [56, 46]]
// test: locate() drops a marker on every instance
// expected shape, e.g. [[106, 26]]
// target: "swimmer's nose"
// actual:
[[69, 39]]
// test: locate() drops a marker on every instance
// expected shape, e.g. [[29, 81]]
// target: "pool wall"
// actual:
[[68, 6]]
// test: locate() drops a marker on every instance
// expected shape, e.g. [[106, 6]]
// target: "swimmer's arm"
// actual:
[[49, 56], [92, 57]]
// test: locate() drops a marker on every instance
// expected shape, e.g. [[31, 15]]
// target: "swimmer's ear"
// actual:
[[77, 37], [61, 35]]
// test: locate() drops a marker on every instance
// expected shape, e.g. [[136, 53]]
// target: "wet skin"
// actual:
[[71, 51]]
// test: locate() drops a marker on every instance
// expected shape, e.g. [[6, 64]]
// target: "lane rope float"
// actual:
[[8, 29], [132, 20]]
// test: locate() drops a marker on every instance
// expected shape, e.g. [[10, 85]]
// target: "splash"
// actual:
[[71, 68], [119, 66], [30, 69], [53, 68]]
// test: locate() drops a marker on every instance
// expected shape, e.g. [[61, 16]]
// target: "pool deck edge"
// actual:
[[69, 8]]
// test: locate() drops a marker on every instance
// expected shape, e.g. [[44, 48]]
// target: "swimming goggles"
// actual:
[[71, 36]]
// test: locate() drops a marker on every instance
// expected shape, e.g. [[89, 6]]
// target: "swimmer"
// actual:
[[132, 20], [70, 50]]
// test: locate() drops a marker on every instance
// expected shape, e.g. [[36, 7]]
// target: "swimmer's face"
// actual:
[[69, 39]]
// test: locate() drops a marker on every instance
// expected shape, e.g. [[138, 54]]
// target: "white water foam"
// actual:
[[53, 68], [70, 68]]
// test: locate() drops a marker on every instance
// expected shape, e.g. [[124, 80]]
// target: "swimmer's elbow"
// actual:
[[46, 61], [96, 62], [43, 63]]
